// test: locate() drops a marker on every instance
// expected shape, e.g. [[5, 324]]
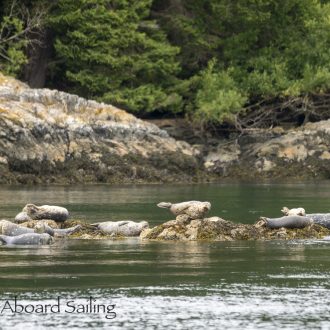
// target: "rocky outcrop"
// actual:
[[217, 229], [54, 137], [298, 153], [47, 136]]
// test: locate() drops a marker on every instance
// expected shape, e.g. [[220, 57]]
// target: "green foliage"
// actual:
[[209, 58], [263, 49], [218, 98], [12, 45], [110, 52]]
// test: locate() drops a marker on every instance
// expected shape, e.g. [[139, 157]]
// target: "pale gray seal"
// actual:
[[22, 217], [12, 229], [125, 228], [62, 232], [297, 211], [2, 223], [322, 219], [194, 209], [27, 239], [52, 212], [292, 221]]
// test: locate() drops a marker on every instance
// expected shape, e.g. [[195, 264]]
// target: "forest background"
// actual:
[[237, 63]]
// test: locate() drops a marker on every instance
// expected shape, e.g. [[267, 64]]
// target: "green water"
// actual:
[[172, 285]]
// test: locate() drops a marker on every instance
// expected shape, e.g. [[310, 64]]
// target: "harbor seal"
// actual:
[[292, 221], [61, 232], [297, 211], [12, 229], [22, 217], [322, 219], [51, 212], [194, 209], [125, 228], [27, 239]]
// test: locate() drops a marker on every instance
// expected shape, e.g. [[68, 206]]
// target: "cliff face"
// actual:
[[50, 136]]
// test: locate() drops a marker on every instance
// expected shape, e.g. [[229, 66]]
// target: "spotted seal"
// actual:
[[322, 219], [52, 212], [125, 228], [27, 239], [291, 221], [22, 217], [193, 209], [296, 211], [62, 232], [12, 229]]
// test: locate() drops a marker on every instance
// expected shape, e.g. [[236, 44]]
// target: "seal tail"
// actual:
[[164, 205]]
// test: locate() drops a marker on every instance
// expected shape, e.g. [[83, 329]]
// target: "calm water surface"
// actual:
[[172, 285]]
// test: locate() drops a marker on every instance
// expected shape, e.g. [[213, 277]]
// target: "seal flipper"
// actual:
[[4, 239], [164, 205], [49, 230]]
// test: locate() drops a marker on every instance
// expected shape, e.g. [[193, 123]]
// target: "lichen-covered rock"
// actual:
[[217, 229], [302, 152], [51, 136], [33, 223]]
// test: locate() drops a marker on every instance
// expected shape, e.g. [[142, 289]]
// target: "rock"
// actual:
[[47, 136], [33, 223], [302, 152], [217, 229]]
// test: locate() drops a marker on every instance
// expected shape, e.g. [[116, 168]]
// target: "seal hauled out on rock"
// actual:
[[52, 212], [291, 222], [193, 209], [322, 219], [27, 239], [12, 229], [297, 211], [61, 232], [22, 217], [125, 228]]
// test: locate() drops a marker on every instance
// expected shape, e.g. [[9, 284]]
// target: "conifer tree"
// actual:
[[109, 51]]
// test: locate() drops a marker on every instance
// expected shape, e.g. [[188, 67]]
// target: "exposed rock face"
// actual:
[[217, 229], [301, 153], [51, 136]]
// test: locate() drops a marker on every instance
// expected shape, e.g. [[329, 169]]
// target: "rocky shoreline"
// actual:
[[47, 136], [51, 137]]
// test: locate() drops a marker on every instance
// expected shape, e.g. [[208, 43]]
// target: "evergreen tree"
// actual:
[[111, 52]]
